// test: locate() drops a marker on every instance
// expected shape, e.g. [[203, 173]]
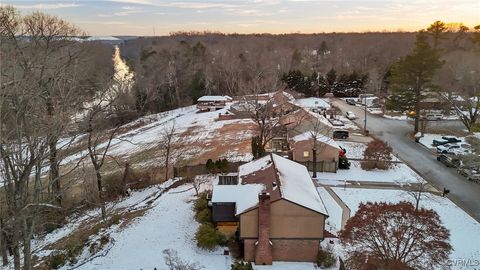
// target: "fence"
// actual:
[[192, 170], [322, 166]]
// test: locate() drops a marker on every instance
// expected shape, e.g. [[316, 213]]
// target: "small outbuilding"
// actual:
[[212, 103]]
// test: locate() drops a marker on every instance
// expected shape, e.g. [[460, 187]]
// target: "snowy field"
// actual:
[[313, 102], [334, 221], [354, 149], [168, 225], [198, 132], [464, 230], [400, 173], [427, 139]]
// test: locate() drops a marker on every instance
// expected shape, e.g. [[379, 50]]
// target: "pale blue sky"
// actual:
[[141, 17]]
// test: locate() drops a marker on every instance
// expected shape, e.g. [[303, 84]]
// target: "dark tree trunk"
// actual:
[[125, 177], [3, 244], [27, 244], [15, 247], [53, 155], [54, 172], [167, 161], [314, 162]]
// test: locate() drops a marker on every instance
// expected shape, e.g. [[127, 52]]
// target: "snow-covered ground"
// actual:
[[313, 102], [400, 173], [169, 224], [334, 221], [427, 139], [396, 117], [464, 230], [355, 150], [197, 132]]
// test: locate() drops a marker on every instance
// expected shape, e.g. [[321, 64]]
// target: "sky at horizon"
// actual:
[[161, 17]]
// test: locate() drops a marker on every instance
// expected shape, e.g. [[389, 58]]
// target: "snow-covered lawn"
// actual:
[[198, 133], [334, 221], [396, 117], [168, 225], [400, 173], [313, 102], [355, 150], [464, 230], [427, 139]]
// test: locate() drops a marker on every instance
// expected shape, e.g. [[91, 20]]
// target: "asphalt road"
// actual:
[[464, 193]]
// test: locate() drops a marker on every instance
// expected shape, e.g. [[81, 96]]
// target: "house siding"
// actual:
[[287, 220], [295, 232]]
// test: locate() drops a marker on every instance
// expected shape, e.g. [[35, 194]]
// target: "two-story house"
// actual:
[[276, 208]]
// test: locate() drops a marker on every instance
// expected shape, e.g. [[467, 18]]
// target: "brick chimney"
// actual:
[[263, 251]]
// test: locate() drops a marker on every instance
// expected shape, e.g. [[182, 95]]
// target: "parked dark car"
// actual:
[[474, 178], [464, 172], [340, 134], [446, 140], [451, 139], [350, 101], [448, 161]]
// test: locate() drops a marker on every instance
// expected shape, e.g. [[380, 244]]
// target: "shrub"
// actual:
[[207, 237], [237, 265], [326, 259], [201, 202], [115, 219], [343, 163], [57, 260], [377, 155], [210, 165], [204, 216], [475, 128]]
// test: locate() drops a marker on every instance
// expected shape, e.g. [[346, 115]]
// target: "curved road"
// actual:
[[464, 193]]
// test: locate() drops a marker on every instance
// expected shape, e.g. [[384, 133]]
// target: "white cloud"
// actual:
[[175, 4], [46, 6]]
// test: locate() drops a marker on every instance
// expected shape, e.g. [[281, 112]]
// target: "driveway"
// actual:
[[464, 193]]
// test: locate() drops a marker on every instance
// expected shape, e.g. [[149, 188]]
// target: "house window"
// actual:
[[227, 180], [306, 154]]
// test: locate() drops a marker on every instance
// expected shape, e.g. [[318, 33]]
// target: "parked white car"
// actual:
[[351, 115], [448, 148]]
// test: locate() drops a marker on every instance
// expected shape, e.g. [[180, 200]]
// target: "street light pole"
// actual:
[[365, 108]]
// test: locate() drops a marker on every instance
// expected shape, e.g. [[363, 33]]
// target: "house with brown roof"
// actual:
[[276, 209], [327, 151]]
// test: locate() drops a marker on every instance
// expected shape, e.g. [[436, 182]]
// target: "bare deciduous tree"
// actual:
[[174, 262], [197, 182], [169, 143]]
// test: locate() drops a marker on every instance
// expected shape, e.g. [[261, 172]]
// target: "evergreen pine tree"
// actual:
[[412, 77]]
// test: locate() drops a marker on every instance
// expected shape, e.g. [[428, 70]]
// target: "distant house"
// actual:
[[212, 103], [275, 207], [327, 151]]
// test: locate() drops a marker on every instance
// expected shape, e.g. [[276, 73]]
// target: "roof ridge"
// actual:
[[278, 182]]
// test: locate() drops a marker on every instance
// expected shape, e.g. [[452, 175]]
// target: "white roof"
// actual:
[[254, 166], [321, 138], [244, 196], [214, 98], [296, 184]]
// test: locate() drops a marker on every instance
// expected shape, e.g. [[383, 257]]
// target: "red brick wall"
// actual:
[[249, 249], [263, 252]]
